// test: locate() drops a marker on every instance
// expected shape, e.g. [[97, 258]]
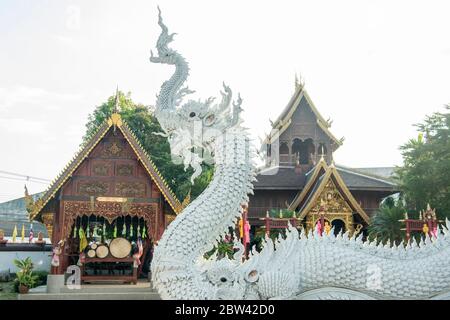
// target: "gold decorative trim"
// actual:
[[115, 120], [332, 172]]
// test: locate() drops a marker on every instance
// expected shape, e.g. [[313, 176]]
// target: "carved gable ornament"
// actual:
[[331, 200]]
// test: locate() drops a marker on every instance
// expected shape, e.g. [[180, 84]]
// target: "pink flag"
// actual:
[[30, 239], [319, 227], [246, 232]]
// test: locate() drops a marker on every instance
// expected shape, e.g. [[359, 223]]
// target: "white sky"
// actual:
[[374, 67]]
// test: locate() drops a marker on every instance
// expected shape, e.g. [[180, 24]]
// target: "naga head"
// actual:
[[195, 124], [165, 54]]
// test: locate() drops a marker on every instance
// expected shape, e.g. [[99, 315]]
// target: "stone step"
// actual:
[[91, 296], [116, 288]]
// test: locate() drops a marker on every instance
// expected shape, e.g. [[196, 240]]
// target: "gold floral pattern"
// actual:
[[125, 169], [130, 189], [93, 188]]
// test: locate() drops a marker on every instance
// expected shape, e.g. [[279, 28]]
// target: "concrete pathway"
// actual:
[[100, 291]]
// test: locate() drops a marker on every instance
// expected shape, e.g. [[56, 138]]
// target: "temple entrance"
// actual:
[[338, 225], [109, 250]]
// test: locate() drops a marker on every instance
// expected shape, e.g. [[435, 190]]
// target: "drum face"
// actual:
[[120, 248], [94, 246], [91, 253], [102, 251]]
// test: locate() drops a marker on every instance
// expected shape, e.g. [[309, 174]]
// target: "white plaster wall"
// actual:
[[41, 260]]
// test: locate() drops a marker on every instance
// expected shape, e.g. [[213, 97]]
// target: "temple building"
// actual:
[[111, 189], [300, 174]]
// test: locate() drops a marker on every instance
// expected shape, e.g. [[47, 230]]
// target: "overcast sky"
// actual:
[[374, 67]]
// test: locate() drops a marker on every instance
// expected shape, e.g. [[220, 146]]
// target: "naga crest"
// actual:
[[194, 124]]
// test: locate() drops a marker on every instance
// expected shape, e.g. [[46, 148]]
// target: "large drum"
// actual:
[[120, 248], [91, 253], [102, 251]]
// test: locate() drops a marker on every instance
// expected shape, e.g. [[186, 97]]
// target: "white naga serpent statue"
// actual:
[[299, 266]]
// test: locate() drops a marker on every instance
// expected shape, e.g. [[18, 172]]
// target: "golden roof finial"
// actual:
[[116, 102], [333, 165], [299, 83], [116, 119]]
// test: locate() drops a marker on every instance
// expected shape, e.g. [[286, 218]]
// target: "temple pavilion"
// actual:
[[300, 174], [110, 189]]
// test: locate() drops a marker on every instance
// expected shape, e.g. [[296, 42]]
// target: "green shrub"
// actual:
[[25, 276]]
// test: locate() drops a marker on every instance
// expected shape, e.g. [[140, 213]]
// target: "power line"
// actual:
[[23, 176], [21, 179]]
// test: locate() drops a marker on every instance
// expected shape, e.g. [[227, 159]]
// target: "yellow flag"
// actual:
[[83, 240], [241, 228], [23, 233], [14, 235]]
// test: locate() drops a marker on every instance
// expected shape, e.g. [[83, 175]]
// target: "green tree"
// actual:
[[385, 225], [425, 175], [143, 123]]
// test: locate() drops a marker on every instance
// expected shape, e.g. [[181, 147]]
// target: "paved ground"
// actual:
[[7, 291], [103, 291]]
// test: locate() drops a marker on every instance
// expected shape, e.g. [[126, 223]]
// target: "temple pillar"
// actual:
[[47, 219]]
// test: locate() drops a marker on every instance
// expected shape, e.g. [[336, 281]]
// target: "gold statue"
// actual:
[[327, 227], [425, 228]]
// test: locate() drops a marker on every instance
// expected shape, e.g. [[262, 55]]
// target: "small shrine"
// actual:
[[107, 208], [426, 224]]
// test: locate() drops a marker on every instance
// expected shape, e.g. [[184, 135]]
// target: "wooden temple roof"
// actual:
[[116, 121], [286, 178], [284, 120]]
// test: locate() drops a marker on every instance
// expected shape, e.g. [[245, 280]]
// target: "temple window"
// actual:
[[303, 150], [338, 225], [296, 148], [284, 149]]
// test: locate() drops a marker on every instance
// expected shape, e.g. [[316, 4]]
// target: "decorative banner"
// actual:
[[83, 240], [131, 229], [75, 230], [319, 227], [14, 235], [23, 233], [246, 232], [115, 230], [124, 228], [31, 236], [144, 232], [241, 228]]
